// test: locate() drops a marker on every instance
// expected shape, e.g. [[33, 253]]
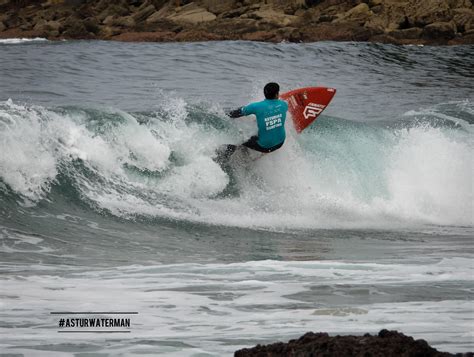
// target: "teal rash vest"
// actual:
[[271, 116]]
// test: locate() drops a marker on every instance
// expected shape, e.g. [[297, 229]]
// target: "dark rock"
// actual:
[[39, 26], [12, 20], [74, 2], [125, 21], [119, 7], [17, 33], [52, 28], [84, 12], [159, 15], [158, 3], [92, 25], [192, 15], [291, 34], [165, 36], [327, 18], [264, 36], [109, 20], [144, 13], [386, 38], [358, 14], [464, 19], [410, 34], [218, 7], [162, 25], [75, 28], [232, 28], [389, 16], [439, 31], [425, 12], [2, 27], [108, 31], [52, 25], [113, 10], [310, 3], [239, 11], [26, 26], [335, 32], [377, 9], [467, 39], [197, 36], [387, 344], [373, 3]]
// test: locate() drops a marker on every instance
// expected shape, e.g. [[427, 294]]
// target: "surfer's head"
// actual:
[[271, 90]]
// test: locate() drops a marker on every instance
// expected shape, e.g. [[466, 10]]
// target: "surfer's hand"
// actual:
[[236, 113]]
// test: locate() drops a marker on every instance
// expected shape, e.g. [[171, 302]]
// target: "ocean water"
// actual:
[[110, 200]]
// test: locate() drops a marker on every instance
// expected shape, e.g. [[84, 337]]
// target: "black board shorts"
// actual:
[[225, 151], [252, 143]]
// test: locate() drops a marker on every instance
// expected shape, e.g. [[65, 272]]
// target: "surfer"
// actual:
[[271, 115]]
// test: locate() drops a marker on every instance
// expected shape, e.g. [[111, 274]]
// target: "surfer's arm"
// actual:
[[236, 113], [243, 111]]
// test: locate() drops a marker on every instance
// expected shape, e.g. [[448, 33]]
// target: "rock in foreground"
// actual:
[[386, 344]]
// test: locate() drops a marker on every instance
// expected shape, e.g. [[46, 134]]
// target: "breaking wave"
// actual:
[[159, 165]]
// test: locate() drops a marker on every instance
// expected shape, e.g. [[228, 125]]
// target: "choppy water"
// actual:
[[110, 199]]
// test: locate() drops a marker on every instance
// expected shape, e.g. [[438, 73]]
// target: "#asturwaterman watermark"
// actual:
[[83, 322]]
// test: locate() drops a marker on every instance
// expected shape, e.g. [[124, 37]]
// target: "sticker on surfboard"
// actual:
[[306, 104]]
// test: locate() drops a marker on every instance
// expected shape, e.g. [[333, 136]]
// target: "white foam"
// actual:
[[27, 162], [201, 178], [430, 177], [14, 41], [213, 307]]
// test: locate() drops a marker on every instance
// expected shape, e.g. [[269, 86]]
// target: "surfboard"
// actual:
[[306, 104]]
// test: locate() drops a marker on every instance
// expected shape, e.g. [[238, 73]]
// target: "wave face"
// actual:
[[130, 131], [160, 165]]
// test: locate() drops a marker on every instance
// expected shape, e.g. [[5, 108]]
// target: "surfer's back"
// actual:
[[271, 116]]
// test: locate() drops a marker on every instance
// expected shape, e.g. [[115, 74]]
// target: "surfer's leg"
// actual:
[[252, 143]]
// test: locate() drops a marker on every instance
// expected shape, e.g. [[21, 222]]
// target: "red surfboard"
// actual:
[[306, 104]]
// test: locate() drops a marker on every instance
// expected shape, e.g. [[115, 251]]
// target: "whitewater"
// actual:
[[110, 198]]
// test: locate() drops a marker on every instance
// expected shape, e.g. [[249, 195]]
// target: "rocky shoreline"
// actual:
[[386, 344], [419, 22]]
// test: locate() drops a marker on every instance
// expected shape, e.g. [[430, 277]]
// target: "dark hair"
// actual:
[[271, 90]]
